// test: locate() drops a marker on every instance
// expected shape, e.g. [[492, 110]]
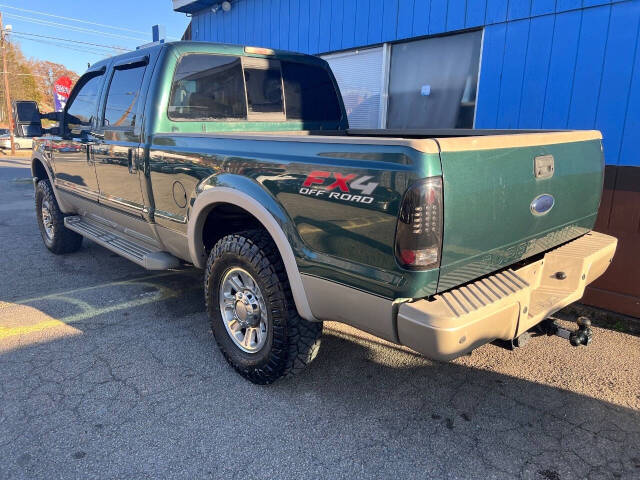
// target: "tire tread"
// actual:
[[296, 341]]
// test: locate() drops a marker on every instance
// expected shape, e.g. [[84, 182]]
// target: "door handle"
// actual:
[[132, 166], [89, 154]]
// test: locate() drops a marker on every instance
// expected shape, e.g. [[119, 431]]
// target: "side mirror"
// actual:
[[55, 131], [26, 118]]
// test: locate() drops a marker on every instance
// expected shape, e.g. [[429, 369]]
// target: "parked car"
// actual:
[[20, 143], [240, 161]]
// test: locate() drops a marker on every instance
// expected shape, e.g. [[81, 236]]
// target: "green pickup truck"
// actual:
[[240, 161]]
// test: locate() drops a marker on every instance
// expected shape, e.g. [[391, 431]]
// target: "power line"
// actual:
[[71, 19], [71, 27], [91, 51], [72, 41]]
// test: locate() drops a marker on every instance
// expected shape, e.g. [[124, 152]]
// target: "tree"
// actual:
[[31, 79]]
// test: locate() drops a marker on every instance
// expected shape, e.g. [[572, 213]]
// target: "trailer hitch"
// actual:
[[582, 336]]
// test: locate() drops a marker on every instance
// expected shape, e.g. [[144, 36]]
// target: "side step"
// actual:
[[122, 244]]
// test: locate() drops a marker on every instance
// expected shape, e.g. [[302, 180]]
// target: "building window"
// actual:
[[360, 76], [427, 83], [433, 82]]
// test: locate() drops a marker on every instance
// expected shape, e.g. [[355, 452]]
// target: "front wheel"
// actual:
[[252, 312], [57, 238]]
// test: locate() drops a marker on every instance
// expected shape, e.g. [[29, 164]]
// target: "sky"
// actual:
[[123, 24]]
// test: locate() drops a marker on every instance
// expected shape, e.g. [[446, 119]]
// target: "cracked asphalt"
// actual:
[[110, 371]]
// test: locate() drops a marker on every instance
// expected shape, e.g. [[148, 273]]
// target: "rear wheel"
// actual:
[[252, 312], [16, 146], [57, 238]]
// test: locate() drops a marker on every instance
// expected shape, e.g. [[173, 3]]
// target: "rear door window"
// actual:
[[123, 96], [208, 87]]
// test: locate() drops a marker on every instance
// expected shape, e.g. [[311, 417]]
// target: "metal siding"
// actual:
[[421, 11], [228, 26], [496, 11], [593, 3], [243, 23], [389, 20], [274, 36], [518, 10], [285, 25], [616, 76], [375, 21], [324, 41], [561, 68], [542, 7], [405, 18], [536, 71], [588, 73], [631, 139], [476, 11], [349, 24], [512, 73], [456, 12], [362, 22], [335, 29], [235, 24], [566, 5], [294, 25], [314, 26], [438, 16], [303, 30], [490, 75]]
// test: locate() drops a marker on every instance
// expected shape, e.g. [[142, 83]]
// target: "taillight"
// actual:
[[419, 231]]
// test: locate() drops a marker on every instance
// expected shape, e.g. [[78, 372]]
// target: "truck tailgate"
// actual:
[[509, 197]]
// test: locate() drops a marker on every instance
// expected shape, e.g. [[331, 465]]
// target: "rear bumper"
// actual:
[[506, 304]]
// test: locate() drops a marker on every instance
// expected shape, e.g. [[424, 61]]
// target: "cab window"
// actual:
[[81, 109], [208, 87], [310, 93]]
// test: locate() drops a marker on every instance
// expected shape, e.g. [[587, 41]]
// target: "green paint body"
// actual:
[[487, 194]]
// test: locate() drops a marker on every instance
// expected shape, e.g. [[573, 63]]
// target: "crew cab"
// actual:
[[240, 161]]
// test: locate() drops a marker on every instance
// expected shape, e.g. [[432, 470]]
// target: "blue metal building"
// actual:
[[540, 64]]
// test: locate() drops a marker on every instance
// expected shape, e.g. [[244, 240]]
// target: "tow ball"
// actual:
[[582, 336]]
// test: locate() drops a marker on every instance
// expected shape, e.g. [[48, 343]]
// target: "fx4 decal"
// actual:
[[338, 186]]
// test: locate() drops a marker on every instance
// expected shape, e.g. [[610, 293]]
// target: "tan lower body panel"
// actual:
[[505, 304]]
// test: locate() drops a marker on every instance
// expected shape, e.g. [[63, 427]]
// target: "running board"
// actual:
[[122, 244]]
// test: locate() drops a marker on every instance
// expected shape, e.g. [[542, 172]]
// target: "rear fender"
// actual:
[[250, 196]]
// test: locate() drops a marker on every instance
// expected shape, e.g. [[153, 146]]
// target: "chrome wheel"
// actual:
[[243, 310], [47, 220]]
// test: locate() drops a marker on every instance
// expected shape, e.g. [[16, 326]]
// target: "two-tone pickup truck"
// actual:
[[240, 161]]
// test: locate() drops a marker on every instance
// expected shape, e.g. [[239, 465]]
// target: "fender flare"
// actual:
[[47, 168], [253, 204]]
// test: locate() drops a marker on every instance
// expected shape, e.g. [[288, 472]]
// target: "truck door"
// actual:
[[116, 152], [71, 151]]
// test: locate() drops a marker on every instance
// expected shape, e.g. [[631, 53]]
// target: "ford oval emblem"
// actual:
[[542, 204]]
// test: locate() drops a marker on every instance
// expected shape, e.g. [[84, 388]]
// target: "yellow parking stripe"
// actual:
[[19, 311]]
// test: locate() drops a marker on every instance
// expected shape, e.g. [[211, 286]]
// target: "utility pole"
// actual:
[[6, 85]]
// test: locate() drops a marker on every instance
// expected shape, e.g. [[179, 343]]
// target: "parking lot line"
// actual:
[[88, 310]]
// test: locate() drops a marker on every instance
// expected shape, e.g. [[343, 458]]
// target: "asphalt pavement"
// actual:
[[110, 371]]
